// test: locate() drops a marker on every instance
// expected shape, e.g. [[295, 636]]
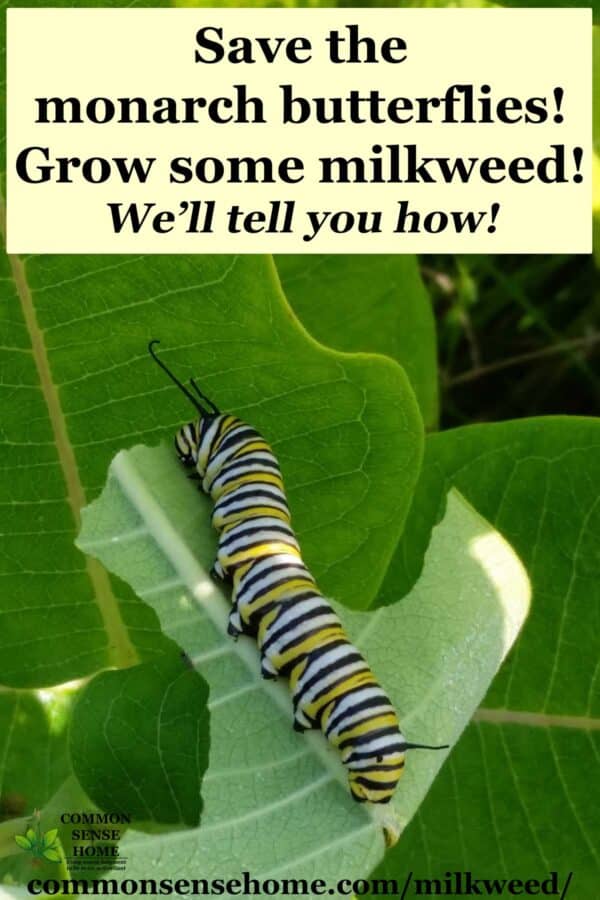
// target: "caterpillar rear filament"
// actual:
[[276, 601]]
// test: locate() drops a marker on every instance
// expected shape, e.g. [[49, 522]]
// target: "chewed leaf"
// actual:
[[391, 311], [23, 842], [435, 653]]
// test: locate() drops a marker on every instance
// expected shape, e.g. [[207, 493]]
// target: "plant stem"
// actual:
[[482, 371]]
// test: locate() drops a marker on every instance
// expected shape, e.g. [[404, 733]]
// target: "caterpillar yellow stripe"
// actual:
[[276, 601]]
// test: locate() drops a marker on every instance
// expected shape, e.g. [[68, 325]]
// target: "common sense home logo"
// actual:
[[92, 840], [41, 845]]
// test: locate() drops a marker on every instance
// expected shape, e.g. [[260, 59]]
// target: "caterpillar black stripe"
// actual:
[[276, 601]]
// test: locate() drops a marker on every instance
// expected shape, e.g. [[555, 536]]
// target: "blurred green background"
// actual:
[[517, 335]]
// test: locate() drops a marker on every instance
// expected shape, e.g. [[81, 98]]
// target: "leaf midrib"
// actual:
[[535, 720], [121, 651]]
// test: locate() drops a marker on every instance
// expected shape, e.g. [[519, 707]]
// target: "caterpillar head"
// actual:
[[376, 780], [187, 443], [189, 437]]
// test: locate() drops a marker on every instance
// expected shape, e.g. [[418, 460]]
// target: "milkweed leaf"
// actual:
[[435, 653], [538, 482], [347, 431], [374, 303], [139, 741]]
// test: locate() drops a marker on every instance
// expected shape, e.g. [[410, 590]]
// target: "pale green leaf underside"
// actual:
[[13, 891], [435, 653]]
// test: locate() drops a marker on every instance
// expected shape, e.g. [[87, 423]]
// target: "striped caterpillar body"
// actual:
[[276, 601]]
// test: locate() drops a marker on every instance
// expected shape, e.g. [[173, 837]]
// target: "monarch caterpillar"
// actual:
[[276, 601]]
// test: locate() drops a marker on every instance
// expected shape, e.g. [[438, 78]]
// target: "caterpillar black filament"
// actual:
[[276, 601]]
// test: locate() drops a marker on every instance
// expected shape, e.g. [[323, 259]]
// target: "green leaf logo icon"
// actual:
[[40, 845], [50, 837], [23, 841]]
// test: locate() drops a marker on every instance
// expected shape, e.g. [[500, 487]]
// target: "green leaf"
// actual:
[[79, 385], [23, 842], [265, 782], [513, 802], [49, 837], [33, 749], [596, 140], [51, 854], [369, 303], [139, 741], [523, 783], [34, 762]]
